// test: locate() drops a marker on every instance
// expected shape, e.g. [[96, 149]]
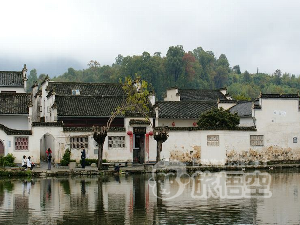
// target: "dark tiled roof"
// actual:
[[228, 101], [279, 96], [11, 78], [243, 109], [14, 103], [92, 89], [86, 106], [10, 131], [139, 122], [91, 129], [200, 95], [47, 124], [184, 109]]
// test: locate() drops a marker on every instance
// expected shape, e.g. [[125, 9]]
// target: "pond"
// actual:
[[204, 198]]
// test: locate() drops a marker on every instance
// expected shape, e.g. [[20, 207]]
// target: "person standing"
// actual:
[[24, 162], [48, 151], [49, 158], [29, 163], [83, 156]]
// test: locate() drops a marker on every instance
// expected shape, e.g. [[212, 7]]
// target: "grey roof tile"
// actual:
[[200, 95], [243, 109], [184, 109], [11, 79], [279, 96], [87, 106], [85, 89], [14, 103]]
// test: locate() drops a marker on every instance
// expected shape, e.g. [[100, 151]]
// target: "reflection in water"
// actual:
[[134, 200]]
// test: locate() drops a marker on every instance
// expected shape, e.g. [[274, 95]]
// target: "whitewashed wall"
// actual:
[[17, 122], [172, 95], [178, 122], [16, 89], [246, 122]]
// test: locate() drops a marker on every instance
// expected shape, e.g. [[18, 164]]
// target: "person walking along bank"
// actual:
[[49, 158]]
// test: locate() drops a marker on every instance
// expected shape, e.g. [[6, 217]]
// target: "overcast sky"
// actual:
[[68, 33]]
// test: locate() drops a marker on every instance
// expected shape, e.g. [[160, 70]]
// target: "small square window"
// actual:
[[257, 140], [21, 143], [213, 140], [116, 142]]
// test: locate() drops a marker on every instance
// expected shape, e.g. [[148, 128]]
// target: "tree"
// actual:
[[93, 64], [160, 135], [218, 119], [247, 77], [32, 78], [136, 100], [236, 69], [174, 63]]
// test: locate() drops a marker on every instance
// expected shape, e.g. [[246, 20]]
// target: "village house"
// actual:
[[15, 111], [61, 116], [268, 131]]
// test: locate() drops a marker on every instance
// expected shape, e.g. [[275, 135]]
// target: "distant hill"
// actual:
[[51, 66]]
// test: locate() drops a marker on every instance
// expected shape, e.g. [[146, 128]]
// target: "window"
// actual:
[[79, 142], [257, 140], [21, 143], [212, 140], [116, 142], [75, 92]]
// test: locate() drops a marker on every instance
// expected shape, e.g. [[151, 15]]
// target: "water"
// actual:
[[132, 199]]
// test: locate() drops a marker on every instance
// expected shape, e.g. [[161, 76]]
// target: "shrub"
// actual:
[[218, 119], [88, 162], [8, 160], [66, 158]]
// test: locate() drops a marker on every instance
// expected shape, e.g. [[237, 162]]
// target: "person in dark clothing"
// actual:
[[117, 168], [83, 158], [49, 158]]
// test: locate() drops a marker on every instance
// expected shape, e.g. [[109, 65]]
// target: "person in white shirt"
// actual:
[[24, 162], [29, 163]]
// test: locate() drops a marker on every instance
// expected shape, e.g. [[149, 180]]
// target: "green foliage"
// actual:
[[88, 162], [218, 119], [197, 69], [7, 160], [66, 186], [66, 158]]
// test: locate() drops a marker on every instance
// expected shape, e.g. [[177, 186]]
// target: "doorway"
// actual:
[[1, 149], [47, 141], [139, 145]]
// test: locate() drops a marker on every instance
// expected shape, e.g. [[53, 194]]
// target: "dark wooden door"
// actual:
[[1, 148]]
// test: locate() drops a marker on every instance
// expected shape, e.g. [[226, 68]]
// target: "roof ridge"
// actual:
[[74, 82]]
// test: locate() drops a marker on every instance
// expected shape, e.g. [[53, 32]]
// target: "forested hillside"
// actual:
[[193, 69]]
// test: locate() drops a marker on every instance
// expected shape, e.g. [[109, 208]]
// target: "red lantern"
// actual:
[[194, 124], [129, 132], [150, 133], [173, 124]]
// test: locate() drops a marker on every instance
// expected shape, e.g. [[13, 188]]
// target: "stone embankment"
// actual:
[[93, 171]]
